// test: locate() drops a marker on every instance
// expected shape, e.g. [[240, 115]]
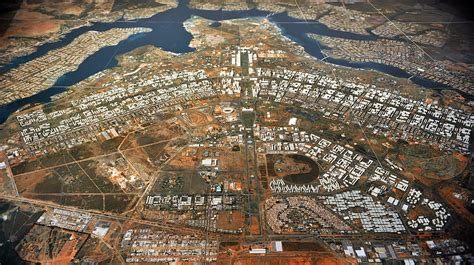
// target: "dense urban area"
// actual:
[[243, 148]]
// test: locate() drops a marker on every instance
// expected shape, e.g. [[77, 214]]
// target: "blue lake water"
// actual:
[[215, 24], [169, 34]]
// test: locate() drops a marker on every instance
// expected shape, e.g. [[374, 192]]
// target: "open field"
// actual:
[[54, 245], [40, 163], [65, 179], [196, 118], [45, 244], [191, 158], [180, 183], [95, 249], [230, 220], [458, 198], [82, 152], [151, 134], [297, 169], [428, 164]]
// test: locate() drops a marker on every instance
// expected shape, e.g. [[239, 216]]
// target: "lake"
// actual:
[[169, 34]]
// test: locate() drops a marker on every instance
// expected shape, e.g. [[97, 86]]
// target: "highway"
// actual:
[[175, 228]]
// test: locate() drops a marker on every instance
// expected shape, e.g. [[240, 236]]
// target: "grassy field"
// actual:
[[102, 182], [426, 163], [247, 118], [180, 183]]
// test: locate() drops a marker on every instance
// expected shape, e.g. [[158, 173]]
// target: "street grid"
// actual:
[[171, 227]]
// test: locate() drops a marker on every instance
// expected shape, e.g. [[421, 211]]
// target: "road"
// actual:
[[176, 228], [91, 158]]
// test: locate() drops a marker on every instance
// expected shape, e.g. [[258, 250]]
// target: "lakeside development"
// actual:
[[41, 73], [56, 80], [227, 137], [403, 55]]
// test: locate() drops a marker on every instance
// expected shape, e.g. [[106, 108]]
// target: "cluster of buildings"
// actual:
[[196, 210], [403, 55], [71, 220], [75, 221], [447, 247], [413, 196], [244, 56], [438, 213], [110, 111], [385, 178], [150, 245], [88, 117], [225, 201], [391, 29], [383, 110], [278, 185], [344, 19], [382, 182], [311, 216], [41, 73], [442, 251], [419, 33], [381, 251], [361, 208], [408, 201], [345, 166]]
